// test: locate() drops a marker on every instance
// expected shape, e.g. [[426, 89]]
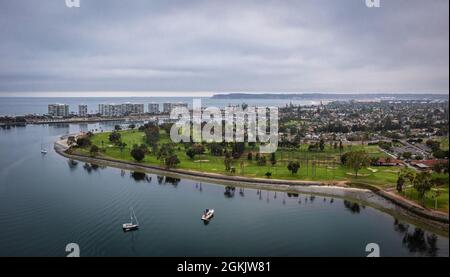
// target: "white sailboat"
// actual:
[[43, 150], [131, 226]]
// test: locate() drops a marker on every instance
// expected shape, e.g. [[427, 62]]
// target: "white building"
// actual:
[[168, 107], [58, 110], [120, 109], [153, 108], [82, 110]]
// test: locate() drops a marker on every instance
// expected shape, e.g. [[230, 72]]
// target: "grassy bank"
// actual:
[[328, 166]]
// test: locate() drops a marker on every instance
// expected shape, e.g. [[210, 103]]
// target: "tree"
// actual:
[[122, 146], [400, 183], [344, 158], [152, 136], [83, 141], [238, 149], [94, 150], [273, 159], [407, 155], [441, 167], [137, 153], [268, 174], [115, 137], [144, 148], [293, 167], [356, 160], [262, 161], [71, 140], [250, 156], [131, 126], [117, 128], [440, 154], [228, 161], [190, 153], [423, 184], [198, 149], [166, 155], [167, 127], [172, 161], [215, 149], [322, 144]]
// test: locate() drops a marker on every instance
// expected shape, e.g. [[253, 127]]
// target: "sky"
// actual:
[[180, 47]]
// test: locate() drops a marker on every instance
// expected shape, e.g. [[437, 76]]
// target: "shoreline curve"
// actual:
[[360, 192]]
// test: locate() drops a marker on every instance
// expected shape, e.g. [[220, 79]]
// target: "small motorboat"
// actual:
[[207, 214], [131, 226]]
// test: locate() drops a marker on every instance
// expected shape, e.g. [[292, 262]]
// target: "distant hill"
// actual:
[[332, 96]]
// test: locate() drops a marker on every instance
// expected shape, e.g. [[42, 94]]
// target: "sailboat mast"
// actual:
[[137, 222]]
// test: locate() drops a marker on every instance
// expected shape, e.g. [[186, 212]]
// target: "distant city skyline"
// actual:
[[200, 48]]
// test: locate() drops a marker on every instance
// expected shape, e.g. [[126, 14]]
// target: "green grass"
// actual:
[[444, 143], [328, 169], [430, 200]]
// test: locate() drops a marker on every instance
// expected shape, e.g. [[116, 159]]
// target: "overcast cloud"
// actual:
[[224, 46]]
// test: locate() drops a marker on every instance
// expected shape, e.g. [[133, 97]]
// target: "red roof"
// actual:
[[429, 163], [389, 161]]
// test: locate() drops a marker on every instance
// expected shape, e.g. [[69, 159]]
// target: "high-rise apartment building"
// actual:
[[58, 110]]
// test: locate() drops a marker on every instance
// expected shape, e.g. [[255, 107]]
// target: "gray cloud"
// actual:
[[277, 46]]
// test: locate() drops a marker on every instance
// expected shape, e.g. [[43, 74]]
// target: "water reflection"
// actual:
[[72, 164], [140, 176], [400, 227], [172, 180], [199, 186], [229, 191], [417, 241], [89, 167], [420, 243], [60, 125], [353, 207]]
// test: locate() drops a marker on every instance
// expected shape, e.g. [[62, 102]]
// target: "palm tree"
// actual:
[[423, 184]]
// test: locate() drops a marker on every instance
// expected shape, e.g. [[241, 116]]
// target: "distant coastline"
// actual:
[[332, 96]]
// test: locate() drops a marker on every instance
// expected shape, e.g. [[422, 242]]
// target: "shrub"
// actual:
[[137, 153], [83, 142], [115, 137], [293, 167], [94, 150]]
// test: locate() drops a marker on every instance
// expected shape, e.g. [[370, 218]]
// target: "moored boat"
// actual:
[[207, 214], [131, 226]]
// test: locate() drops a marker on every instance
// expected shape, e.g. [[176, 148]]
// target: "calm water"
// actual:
[[46, 204]]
